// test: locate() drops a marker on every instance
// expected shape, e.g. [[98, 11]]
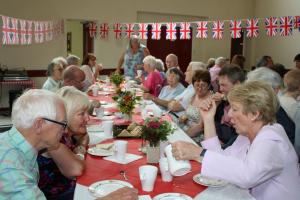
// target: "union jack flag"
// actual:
[[286, 26], [143, 31], [103, 32], [117, 30], [297, 22], [39, 32], [171, 31], [218, 29], [235, 28], [62, 26], [271, 26], [129, 30], [48, 30], [26, 32], [56, 29], [10, 30], [202, 29], [252, 28], [92, 29], [185, 31], [156, 31]]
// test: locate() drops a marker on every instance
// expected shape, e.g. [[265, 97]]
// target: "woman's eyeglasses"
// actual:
[[64, 124]]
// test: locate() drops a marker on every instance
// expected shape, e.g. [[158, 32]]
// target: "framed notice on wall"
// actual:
[[69, 42]]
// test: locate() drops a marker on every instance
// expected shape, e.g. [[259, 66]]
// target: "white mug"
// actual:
[[177, 167], [107, 128], [120, 150], [99, 112], [139, 72], [148, 175], [164, 170], [95, 90]]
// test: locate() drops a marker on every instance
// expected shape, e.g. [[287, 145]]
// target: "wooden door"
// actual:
[[237, 45], [161, 48], [88, 42]]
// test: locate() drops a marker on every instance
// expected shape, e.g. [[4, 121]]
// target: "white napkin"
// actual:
[[229, 192], [81, 192], [128, 158]]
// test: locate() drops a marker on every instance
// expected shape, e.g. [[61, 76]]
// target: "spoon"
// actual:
[[123, 173]]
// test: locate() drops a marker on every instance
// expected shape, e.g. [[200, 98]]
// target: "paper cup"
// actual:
[[148, 174], [120, 150], [177, 167], [166, 176], [107, 128], [139, 72], [95, 90], [99, 112]]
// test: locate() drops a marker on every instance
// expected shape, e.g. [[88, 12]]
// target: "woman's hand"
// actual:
[[183, 119], [124, 193], [147, 96], [186, 151], [208, 109]]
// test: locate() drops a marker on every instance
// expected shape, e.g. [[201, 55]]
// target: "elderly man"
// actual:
[[73, 60], [265, 61], [172, 61], [74, 76], [39, 119]]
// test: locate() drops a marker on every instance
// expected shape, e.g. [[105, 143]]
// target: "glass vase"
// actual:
[[153, 154]]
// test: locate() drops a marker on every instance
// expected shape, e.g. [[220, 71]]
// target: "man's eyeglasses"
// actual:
[[63, 124]]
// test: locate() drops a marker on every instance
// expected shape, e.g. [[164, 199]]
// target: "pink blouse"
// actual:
[[154, 83]]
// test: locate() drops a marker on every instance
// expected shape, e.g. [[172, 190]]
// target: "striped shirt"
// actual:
[[18, 169]]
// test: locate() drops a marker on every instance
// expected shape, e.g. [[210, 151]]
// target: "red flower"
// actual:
[[154, 124], [128, 98]]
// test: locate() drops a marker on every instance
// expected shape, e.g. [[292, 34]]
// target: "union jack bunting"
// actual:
[[171, 31], [297, 22], [202, 29], [218, 29], [143, 31], [286, 26], [156, 31], [10, 30], [92, 29], [117, 30], [235, 28], [185, 31], [103, 32], [252, 28], [48, 30], [129, 30], [271, 26], [39, 32], [56, 29], [25, 32], [62, 26]]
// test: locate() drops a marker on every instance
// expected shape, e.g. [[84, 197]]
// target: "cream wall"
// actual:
[[75, 27], [282, 49]]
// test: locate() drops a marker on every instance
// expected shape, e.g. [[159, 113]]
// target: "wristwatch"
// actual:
[[202, 154]]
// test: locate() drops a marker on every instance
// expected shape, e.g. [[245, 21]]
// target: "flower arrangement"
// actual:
[[116, 79], [126, 101], [156, 130]]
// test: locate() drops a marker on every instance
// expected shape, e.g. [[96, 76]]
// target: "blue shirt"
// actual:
[[168, 93], [132, 60], [18, 169]]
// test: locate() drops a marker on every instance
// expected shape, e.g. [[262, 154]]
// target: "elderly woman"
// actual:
[[59, 167], [55, 76], [170, 91], [262, 159], [191, 121], [133, 57], [154, 82], [91, 70]]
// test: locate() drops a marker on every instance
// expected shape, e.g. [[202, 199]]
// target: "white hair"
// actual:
[[60, 60], [74, 100], [72, 59], [266, 75], [220, 61], [160, 65], [150, 60], [33, 104], [197, 65]]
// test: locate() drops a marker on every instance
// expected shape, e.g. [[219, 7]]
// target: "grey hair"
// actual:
[[72, 60], [150, 60], [50, 68], [33, 104], [197, 65], [160, 65], [266, 75], [60, 60], [174, 70], [74, 100], [220, 61]]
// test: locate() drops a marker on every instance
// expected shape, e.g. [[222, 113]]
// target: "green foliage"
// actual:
[[126, 101], [116, 79], [156, 130]]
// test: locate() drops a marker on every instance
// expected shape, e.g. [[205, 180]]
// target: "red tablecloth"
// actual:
[[98, 169]]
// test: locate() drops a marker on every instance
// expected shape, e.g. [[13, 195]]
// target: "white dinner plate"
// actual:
[[106, 118], [94, 128], [172, 196], [102, 188], [207, 181], [103, 103], [95, 151]]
